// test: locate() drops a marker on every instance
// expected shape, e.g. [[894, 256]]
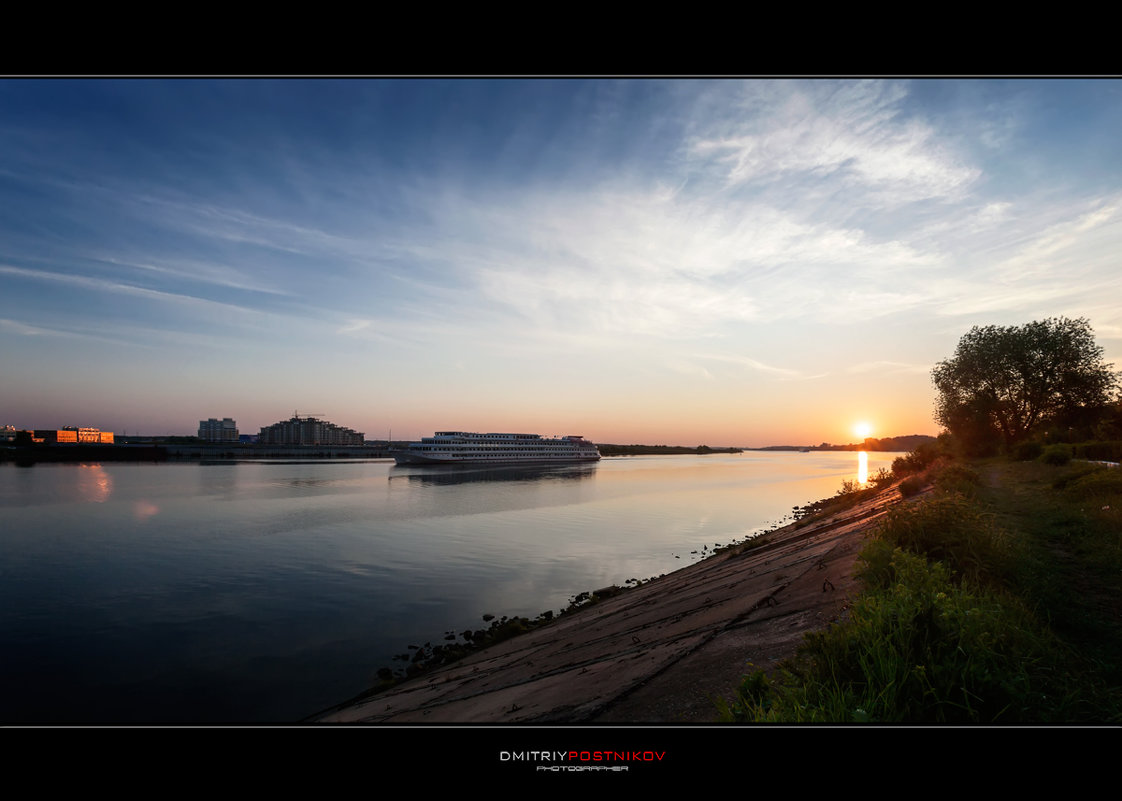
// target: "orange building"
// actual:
[[72, 435]]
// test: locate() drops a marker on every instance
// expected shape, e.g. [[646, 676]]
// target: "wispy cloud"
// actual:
[[196, 271], [672, 266], [753, 364], [115, 287], [855, 132], [100, 334], [25, 330], [885, 366], [1041, 253]]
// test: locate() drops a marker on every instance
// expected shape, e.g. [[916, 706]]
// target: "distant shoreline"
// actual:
[[207, 452], [902, 444]]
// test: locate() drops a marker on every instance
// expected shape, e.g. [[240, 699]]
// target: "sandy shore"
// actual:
[[659, 653]]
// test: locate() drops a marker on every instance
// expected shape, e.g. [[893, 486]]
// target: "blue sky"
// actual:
[[675, 261]]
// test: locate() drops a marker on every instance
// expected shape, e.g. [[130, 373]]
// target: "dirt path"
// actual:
[[659, 653]]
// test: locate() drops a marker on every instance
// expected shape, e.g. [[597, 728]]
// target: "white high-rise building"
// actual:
[[215, 430]]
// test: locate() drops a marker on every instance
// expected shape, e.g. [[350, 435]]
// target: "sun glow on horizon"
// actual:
[[863, 429]]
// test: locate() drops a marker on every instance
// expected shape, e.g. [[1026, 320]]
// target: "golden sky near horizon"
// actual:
[[733, 262]]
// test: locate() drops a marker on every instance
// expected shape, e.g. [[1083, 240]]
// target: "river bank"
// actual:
[[659, 653]]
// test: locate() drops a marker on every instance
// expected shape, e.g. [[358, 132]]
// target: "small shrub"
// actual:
[[949, 528], [912, 485], [882, 478], [1027, 451], [876, 569], [916, 461], [957, 478], [1058, 455], [849, 487]]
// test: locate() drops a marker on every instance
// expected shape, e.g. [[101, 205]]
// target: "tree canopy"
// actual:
[[1005, 381]]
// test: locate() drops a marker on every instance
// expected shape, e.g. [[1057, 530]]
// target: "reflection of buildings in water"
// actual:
[[94, 484], [142, 510], [452, 474], [862, 467]]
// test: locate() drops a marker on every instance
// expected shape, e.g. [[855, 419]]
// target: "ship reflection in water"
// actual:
[[446, 475]]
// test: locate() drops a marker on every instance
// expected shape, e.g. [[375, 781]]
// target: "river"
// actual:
[[261, 592]]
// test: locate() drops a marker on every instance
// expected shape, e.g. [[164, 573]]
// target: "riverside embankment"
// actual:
[[658, 653]]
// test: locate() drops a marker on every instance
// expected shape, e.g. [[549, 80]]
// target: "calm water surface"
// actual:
[[265, 592]]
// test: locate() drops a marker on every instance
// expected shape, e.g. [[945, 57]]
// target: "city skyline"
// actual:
[[682, 262]]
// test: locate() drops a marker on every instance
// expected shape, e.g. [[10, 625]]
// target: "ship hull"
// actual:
[[414, 459], [459, 447]]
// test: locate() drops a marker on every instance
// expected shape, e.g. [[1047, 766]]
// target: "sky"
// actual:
[[670, 261]]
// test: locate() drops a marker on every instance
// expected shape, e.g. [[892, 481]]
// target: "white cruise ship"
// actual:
[[461, 447]]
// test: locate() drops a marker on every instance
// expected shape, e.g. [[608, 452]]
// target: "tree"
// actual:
[[1005, 381]]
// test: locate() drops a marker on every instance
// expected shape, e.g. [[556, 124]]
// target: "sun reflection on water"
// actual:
[[862, 467]]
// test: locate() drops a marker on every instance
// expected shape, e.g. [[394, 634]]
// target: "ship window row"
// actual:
[[498, 450]]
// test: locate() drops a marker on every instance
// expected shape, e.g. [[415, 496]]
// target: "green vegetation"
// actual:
[[995, 599], [1006, 384], [1056, 454]]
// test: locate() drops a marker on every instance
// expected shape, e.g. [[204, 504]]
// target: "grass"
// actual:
[[997, 599], [1069, 563]]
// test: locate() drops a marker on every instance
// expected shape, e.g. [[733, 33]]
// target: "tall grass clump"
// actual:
[[1074, 473], [912, 485], [957, 478], [918, 648], [950, 528], [1100, 483]]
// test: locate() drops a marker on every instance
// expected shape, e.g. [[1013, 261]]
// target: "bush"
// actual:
[[1099, 451], [949, 528], [957, 478], [1027, 451], [882, 478], [1056, 455], [916, 461], [912, 485]]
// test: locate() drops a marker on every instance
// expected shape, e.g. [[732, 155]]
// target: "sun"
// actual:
[[863, 429]]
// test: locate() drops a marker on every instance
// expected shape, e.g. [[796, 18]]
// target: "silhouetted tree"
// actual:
[[1004, 381]]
